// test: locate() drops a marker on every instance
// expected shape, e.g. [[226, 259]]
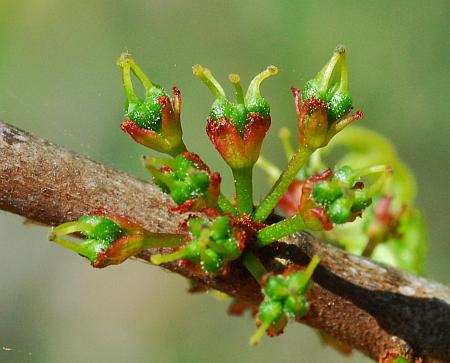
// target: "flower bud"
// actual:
[[332, 196], [340, 210], [110, 239], [324, 103], [187, 179], [284, 296], [237, 129], [211, 245], [296, 306], [270, 311], [155, 120], [276, 287], [331, 86]]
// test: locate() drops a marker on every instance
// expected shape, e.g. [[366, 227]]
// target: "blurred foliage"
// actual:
[[58, 79]]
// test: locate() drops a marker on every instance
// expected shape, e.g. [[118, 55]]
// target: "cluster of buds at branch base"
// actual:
[[285, 296], [187, 179], [237, 130], [211, 245], [324, 104], [110, 239], [154, 121], [383, 223], [332, 197]]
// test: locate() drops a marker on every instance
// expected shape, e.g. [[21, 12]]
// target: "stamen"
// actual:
[[153, 161], [312, 266], [236, 80], [253, 90], [124, 63], [285, 136], [71, 227], [139, 73], [270, 169], [76, 247], [324, 76], [208, 79], [379, 183], [203, 240], [162, 177], [371, 170], [159, 259], [259, 333]]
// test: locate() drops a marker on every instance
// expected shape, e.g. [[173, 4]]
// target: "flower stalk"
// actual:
[[238, 129]]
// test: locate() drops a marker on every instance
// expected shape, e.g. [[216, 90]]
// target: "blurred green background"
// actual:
[[58, 79]]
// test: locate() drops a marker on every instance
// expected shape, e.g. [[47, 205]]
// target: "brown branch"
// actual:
[[373, 308]]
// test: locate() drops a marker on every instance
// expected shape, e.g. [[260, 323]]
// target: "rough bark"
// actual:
[[373, 308]]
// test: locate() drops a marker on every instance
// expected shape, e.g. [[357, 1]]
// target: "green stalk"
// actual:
[[225, 205], [178, 149], [315, 260], [244, 189], [162, 240], [255, 338], [159, 259], [271, 200], [279, 230], [254, 266]]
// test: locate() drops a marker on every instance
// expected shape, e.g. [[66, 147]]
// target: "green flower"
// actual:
[[237, 129], [155, 120], [211, 245], [284, 297], [324, 103], [187, 179], [109, 239]]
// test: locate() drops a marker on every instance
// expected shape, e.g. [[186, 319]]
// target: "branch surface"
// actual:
[[373, 308]]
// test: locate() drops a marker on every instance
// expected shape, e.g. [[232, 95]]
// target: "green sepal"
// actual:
[[238, 113], [147, 113], [102, 229], [183, 180], [180, 192], [298, 282], [92, 247], [401, 360], [346, 175], [338, 106], [276, 287], [192, 251], [362, 200], [312, 89], [211, 262], [296, 306], [220, 228], [260, 106], [339, 211], [270, 311], [196, 226], [222, 108], [326, 192]]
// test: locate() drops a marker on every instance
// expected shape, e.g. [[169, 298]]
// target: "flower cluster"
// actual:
[[211, 244], [323, 200], [284, 297], [187, 179], [219, 229]]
